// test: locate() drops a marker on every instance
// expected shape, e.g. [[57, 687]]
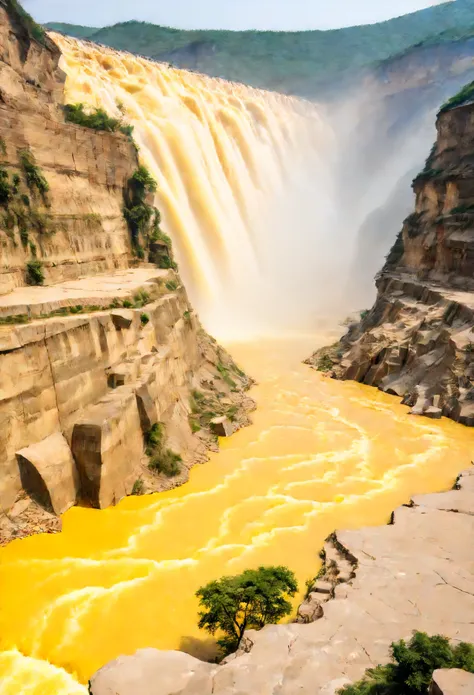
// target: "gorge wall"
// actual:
[[90, 363], [417, 340], [77, 226]]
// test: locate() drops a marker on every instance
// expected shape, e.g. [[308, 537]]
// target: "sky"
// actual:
[[225, 14]]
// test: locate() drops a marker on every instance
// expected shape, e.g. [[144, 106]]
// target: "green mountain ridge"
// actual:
[[301, 62]]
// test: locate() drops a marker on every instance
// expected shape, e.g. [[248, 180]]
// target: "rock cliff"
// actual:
[[76, 226], [417, 341], [108, 383]]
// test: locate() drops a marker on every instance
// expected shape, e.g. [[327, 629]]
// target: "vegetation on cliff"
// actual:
[[464, 96], [246, 601], [34, 30], [412, 667], [96, 118], [162, 460], [300, 62]]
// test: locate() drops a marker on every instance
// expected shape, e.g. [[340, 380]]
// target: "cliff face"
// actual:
[[75, 227], [108, 383], [417, 341]]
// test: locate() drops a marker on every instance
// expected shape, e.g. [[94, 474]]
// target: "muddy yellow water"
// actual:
[[321, 455]]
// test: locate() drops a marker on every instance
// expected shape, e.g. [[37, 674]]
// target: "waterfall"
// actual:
[[244, 184]]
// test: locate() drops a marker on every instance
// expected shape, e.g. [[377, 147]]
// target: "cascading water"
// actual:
[[243, 176]]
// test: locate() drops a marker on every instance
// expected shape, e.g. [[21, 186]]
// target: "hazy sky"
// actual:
[[225, 14]]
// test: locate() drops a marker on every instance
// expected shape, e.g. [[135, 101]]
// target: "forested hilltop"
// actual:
[[303, 63]]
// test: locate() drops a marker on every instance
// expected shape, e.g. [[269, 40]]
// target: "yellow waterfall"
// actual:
[[227, 159]]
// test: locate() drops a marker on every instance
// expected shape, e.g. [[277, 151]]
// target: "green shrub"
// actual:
[[161, 460], [5, 188], [138, 487], [364, 314], [171, 286], [34, 273], [127, 130], [141, 298], [246, 601], [142, 182], [127, 304], [144, 319], [96, 118], [412, 666], [34, 177], [25, 200], [324, 363], [166, 462], [3, 146], [167, 263]]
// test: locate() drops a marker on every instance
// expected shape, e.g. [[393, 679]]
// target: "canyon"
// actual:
[[106, 367]]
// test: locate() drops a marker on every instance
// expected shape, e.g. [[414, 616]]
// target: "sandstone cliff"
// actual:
[[417, 341], [108, 383], [76, 227]]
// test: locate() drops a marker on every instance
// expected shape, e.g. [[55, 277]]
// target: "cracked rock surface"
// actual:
[[415, 574]]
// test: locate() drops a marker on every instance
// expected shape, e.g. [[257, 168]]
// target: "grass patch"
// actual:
[[172, 286], [138, 487], [34, 273], [225, 376], [33, 175], [35, 31], [144, 319], [162, 460], [465, 95]]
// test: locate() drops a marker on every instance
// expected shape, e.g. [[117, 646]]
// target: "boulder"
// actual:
[[452, 681], [310, 610], [49, 474], [107, 444], [222, 426], [122, 318], [151, 672]]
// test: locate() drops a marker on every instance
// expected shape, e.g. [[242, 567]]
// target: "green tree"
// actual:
[[246, 601], [411, 670]]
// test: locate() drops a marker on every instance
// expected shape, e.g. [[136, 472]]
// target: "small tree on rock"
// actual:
[[247, 601]]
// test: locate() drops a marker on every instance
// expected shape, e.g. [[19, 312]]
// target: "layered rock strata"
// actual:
[[417, 341], [77, 226], [79, 394], [414, 574]]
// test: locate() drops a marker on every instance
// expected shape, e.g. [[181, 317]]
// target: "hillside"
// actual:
[[292, 62]]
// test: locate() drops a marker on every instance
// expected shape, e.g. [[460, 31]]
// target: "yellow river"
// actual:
[[320, 455]]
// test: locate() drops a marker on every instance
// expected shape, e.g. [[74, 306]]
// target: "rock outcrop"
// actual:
[[76, 226], [417, 342], [414, 574], [90, 362]]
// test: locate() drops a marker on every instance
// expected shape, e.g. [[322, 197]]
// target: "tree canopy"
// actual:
[[246, 601]]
